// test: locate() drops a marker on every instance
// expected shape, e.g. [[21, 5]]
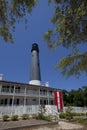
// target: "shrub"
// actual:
[[41, 116], [81, 121], [78, 114], [86, 113], [5, 117], [34, 116], [48, 118], [69, 116], [14, 117], [25, 116], [62, 115], [41, 113]]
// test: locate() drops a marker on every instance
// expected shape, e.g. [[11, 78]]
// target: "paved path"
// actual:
[[33, 124], [8, 125]]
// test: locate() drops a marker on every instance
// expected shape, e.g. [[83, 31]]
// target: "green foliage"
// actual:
[[86, 113], [48, 118], [5, 117], [62, 115], [14, 117], [70, 30], [81, 121], [42, 116], [34, 116], [69, 115], [76, 97], [12, 11], [66, 115], [25, 116], [78, 114]]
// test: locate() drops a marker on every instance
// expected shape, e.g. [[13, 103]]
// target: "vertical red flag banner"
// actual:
[[58, 100]]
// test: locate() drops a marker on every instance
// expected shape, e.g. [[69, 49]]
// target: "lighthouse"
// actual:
[[35, 76]]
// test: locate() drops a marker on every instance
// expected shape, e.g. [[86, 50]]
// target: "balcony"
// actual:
[[28, 93]]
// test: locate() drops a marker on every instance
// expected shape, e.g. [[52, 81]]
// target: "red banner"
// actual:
[[58, 99]]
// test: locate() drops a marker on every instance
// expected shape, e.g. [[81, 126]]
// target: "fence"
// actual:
[[19, 110], [31, 109], [34, 109], [77, 109]]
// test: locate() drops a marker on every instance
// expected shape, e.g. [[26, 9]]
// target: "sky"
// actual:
[[15, 58]]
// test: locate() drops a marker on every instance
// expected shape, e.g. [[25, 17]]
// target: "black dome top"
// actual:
[[35, 47]]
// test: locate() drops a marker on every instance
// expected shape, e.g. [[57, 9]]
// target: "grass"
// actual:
[[81, 121]]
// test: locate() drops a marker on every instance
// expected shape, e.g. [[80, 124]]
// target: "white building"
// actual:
[[14, 94]]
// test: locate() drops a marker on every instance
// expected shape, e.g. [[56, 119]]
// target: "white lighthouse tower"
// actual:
[[35, 77]]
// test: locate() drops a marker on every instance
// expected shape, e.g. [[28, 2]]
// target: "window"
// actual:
[[6, 101], [34, 100], [10, 102], [1, 101]]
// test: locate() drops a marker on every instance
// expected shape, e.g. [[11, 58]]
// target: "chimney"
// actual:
[[35, 77]]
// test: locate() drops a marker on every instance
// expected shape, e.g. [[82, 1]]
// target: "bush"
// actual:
[[48, 118], [62, 115], [86, 113], [78, 114], [25, 116], [5, 117], [14, 117], [69, 116], [34, 116], [81, 121], [41, 116]]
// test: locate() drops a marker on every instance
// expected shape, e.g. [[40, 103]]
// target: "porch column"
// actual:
[[0, 87], [39, 96], [48, 96], [13, 100], [24, 108]]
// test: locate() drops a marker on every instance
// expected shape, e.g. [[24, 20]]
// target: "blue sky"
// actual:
[[15, 58]]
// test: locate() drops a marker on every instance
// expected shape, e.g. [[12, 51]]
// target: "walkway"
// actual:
[[33, 124]]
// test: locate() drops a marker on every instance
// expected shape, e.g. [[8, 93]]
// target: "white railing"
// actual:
[[51, 110], [34, 109], [19, 110], [23, 94], [77, 109]]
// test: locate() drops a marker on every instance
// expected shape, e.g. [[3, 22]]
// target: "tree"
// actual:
[[65, 97], [12, 11], [78, 98], [70, 30], [71, 97], [75, 97], [85, 95]]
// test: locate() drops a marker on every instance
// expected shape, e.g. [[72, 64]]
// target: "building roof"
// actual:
[[29, 85]]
